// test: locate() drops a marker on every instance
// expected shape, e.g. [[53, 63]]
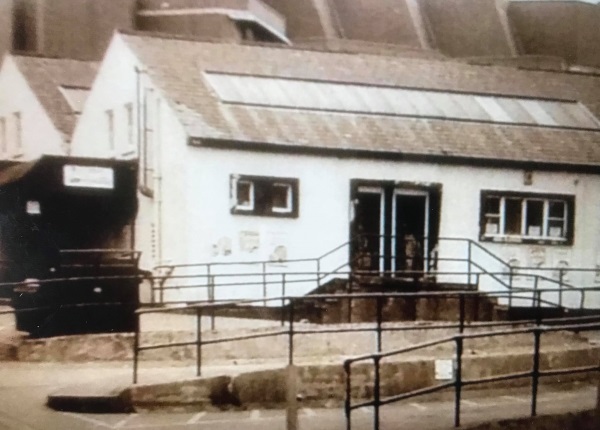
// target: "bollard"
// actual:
[[292, 398]]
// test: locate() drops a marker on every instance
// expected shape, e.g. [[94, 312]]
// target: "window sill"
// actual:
[[246, 212], [520, 240]]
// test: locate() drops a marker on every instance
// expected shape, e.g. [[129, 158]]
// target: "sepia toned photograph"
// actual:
[[300, 214]]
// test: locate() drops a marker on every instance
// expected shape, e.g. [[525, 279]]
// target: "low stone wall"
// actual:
[[119, 346], [323, 385], [587, 420]]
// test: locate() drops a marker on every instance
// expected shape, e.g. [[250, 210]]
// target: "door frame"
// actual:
[[388, 191]]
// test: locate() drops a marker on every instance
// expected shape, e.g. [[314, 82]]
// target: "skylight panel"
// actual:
[[515, 110], [472, 109], [381, 100], [534, 108], [493, 109]]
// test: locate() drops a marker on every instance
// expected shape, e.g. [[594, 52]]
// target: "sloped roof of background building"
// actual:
[[177, 67], [45, 76]]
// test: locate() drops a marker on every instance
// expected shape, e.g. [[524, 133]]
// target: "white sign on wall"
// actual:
[[88, 177], [444, 370]]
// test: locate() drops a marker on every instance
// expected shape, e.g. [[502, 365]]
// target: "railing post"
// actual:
[[282, 299], [561, 275], [535, 289], [469, 256], [318, 272], [264, 279], [461, 303], [291, 335], [379, 323], [198, 341], [458, 380], [510, 286], [348, 399], [350, 281], [535, 373], [211, 298], [136, 346], [538, 308], [376, 392]]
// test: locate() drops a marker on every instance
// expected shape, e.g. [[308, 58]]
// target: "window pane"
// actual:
[[557, 209], [535, 217], [492, 205], [512, 218], [281, 198], [244, 194], [555, 228]]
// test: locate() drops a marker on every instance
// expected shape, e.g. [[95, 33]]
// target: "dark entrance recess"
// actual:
[[395, 226], [57, 224]]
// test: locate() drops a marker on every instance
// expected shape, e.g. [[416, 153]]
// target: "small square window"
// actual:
[[264, 196]]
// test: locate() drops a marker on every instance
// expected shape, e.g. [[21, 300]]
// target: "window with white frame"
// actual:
[[129, 123], [527, 218], [18, 133], [3, 138], [110, 127], [264, 196]]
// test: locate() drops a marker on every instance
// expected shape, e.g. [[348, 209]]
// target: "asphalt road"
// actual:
[[22, 407]]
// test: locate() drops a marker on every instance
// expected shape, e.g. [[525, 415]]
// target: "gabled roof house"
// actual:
[[270, 152], [41, 99]]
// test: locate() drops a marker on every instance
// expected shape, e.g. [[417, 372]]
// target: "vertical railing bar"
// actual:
[[283, 299], [461, 302], [264, 280], [535, 374], [136, 352], [561, 275], [377, 392], [379, 323], [535, 288], [510, 287], [469, 257], [348, 399], [291, 335], [458, 380], [211, 292], [198, 341]]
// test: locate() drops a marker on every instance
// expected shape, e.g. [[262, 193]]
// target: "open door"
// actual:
[[394, 228]]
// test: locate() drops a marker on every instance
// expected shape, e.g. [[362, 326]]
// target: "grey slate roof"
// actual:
[[177, 66], [46, 75]]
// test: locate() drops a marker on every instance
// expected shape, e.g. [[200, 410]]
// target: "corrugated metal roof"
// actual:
[[373, 100]]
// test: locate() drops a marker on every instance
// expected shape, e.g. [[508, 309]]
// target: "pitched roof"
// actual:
[[46, 76], [179, 67]]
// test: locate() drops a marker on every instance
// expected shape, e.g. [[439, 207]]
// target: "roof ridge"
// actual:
[[285, 47]]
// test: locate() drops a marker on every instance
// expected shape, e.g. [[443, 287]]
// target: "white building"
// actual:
[[250, 153], [40, 100]]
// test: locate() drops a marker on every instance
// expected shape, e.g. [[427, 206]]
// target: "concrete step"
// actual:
[[96, 398]]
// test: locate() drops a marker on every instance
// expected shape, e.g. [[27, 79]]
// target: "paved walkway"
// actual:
[[23, 388]]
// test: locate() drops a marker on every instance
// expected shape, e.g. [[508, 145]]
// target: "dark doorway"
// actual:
[[366, 243], [395, 227], [411, 213]]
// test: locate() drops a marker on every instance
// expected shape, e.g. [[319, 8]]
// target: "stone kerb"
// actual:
[[323, 385]]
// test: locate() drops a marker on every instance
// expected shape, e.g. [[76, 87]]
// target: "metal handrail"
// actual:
[[201, 309], [458, 382]]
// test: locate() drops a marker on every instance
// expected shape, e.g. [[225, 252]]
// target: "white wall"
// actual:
[[190, 212], [38, 134], [115, 86], [324, 205]]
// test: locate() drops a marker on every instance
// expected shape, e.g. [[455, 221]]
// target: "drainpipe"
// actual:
[[158, 177]]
